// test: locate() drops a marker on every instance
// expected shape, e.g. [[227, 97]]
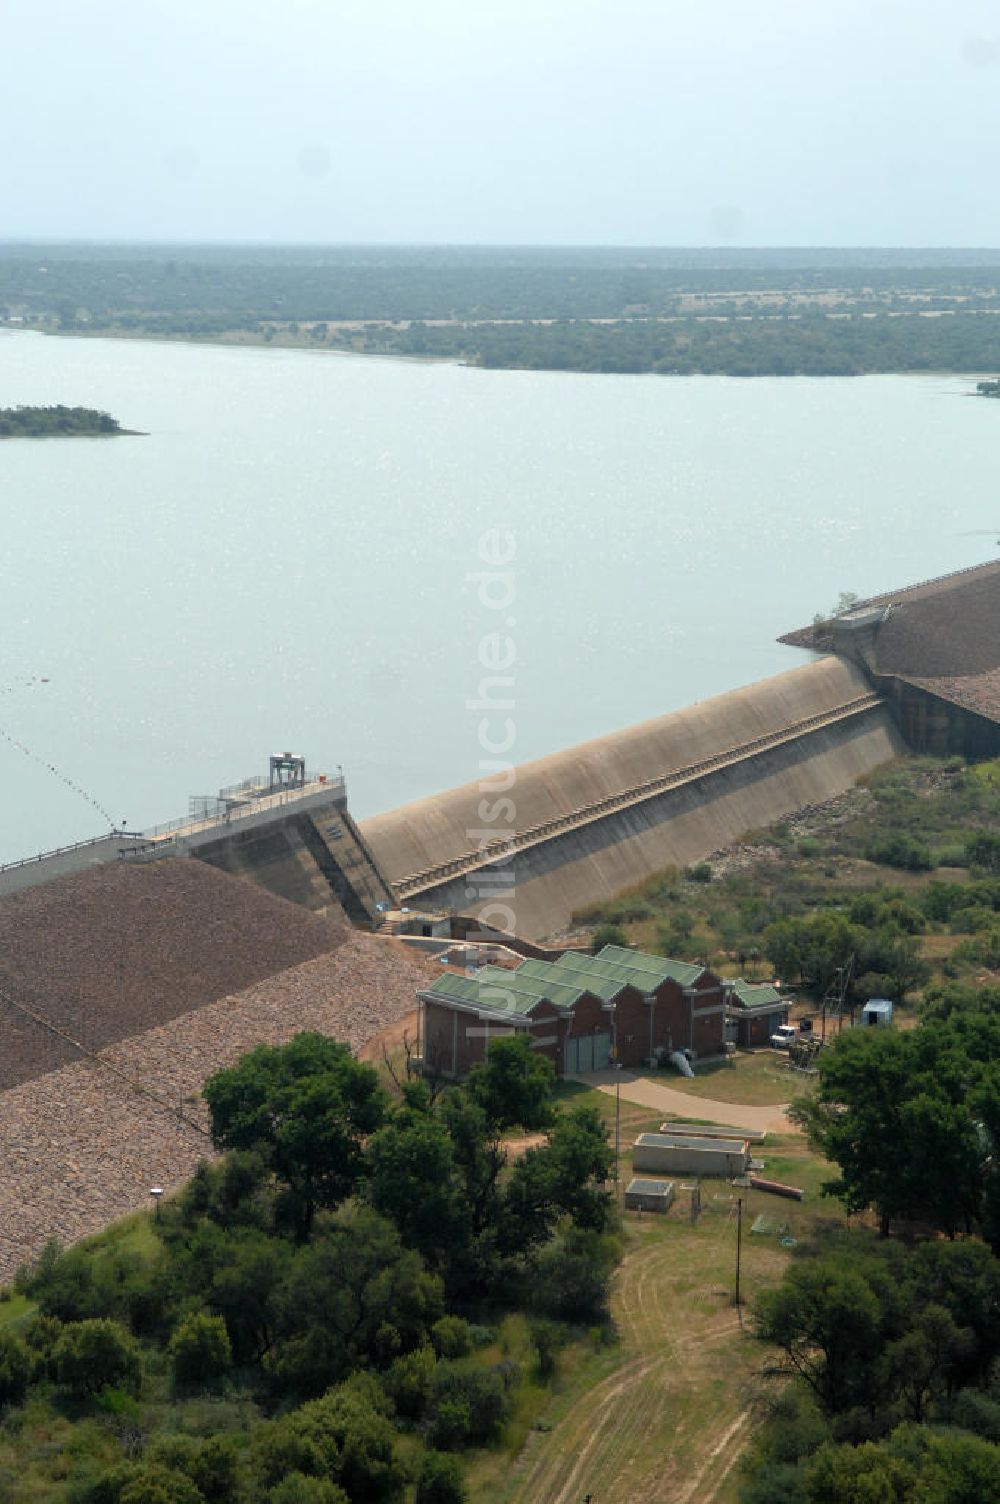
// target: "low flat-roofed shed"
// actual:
[[648, 1195]]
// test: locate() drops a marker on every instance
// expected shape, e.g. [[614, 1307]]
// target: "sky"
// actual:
[[637, 122]]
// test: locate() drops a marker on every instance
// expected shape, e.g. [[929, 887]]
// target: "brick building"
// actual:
[[583, 1012], [755, 1011]]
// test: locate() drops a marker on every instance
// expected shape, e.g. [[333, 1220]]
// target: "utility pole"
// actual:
[[618, 1128], [739, 1251]]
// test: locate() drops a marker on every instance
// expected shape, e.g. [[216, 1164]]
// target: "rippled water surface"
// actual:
[[285, 559]]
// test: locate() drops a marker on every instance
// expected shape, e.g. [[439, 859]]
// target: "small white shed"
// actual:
[[877, 1013]]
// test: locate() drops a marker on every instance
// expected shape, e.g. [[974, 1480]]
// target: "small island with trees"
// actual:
[[988, 388], [47, 422]]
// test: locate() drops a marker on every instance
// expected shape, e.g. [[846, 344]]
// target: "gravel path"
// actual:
[[678, 1104], [81, 1146]]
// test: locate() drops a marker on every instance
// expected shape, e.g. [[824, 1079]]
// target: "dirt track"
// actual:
[[678, 1104]]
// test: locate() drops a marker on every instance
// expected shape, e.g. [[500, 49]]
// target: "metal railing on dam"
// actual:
[[158, 840], [56, 851], [504, 847]]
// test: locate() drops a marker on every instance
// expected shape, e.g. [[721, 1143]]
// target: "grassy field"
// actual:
[[760, 1080], [663, 1414]]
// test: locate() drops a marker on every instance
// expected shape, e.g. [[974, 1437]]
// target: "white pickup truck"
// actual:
[[783, 1036]]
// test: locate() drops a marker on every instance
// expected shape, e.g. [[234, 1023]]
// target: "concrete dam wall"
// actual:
[[585, 823]]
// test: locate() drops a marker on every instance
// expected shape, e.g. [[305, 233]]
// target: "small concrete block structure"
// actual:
[[877, 1013], [649, 1195], [676, 1155]]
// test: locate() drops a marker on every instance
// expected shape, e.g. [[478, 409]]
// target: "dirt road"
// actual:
[[674, 1103]]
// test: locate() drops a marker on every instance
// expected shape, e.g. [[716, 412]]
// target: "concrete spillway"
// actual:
[[594, 819]]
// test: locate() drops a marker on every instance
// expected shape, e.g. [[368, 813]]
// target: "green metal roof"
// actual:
[[564, 981], [757, 994], [662, 968], [476, 993], [557, 989], [577, 980], [592, 975], [503, 991]]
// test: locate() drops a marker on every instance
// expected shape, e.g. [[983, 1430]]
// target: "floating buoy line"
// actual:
[[29, 681]]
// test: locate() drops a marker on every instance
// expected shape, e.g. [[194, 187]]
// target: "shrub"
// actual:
[[16, 1369], [152, 1484], [451, 1337], [572, 1276], [215, 1468], [468, 1404], [548, 1339], [607, 934], [343, 1437], [199, 1350], [440, 1480], [297, 1488], [701, 872], [903, 851], [40, 1336], [408, 1382], [97, 1354], [984, 851]]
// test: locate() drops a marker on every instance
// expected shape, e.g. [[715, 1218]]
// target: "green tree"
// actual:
[[199, 1349], [355, 1296], [97, 1354], [16, 1367], [440, 1480], [513, 1086], [892, 1113], [812, 949], [309, 1105], [413, 1179], [344, 1438], [984, 851], [152, 1484]]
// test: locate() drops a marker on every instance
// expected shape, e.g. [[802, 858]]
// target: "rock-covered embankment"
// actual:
[[82, 1144]]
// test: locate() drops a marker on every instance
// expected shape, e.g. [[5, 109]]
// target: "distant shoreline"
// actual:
[[245, 339]]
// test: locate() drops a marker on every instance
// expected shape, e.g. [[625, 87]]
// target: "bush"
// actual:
[[343, 1437], [548, 1339], [451, 1337], [199, 1350], [468, 1404], [297, 1488], [572, 1277], [607, 934], [408, 1382], [903, 851], [40, 1337], [440, 1481], [16, 1369], [701, 872], [98, 1354], [215, 1468], [151, 1484]]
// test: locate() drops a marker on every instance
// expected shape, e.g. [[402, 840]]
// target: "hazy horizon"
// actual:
[[554, 123]]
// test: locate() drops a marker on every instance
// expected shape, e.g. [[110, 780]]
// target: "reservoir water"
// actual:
[[287, 560]]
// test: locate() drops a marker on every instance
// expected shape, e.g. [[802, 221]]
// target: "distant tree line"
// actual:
[[740, 314]]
